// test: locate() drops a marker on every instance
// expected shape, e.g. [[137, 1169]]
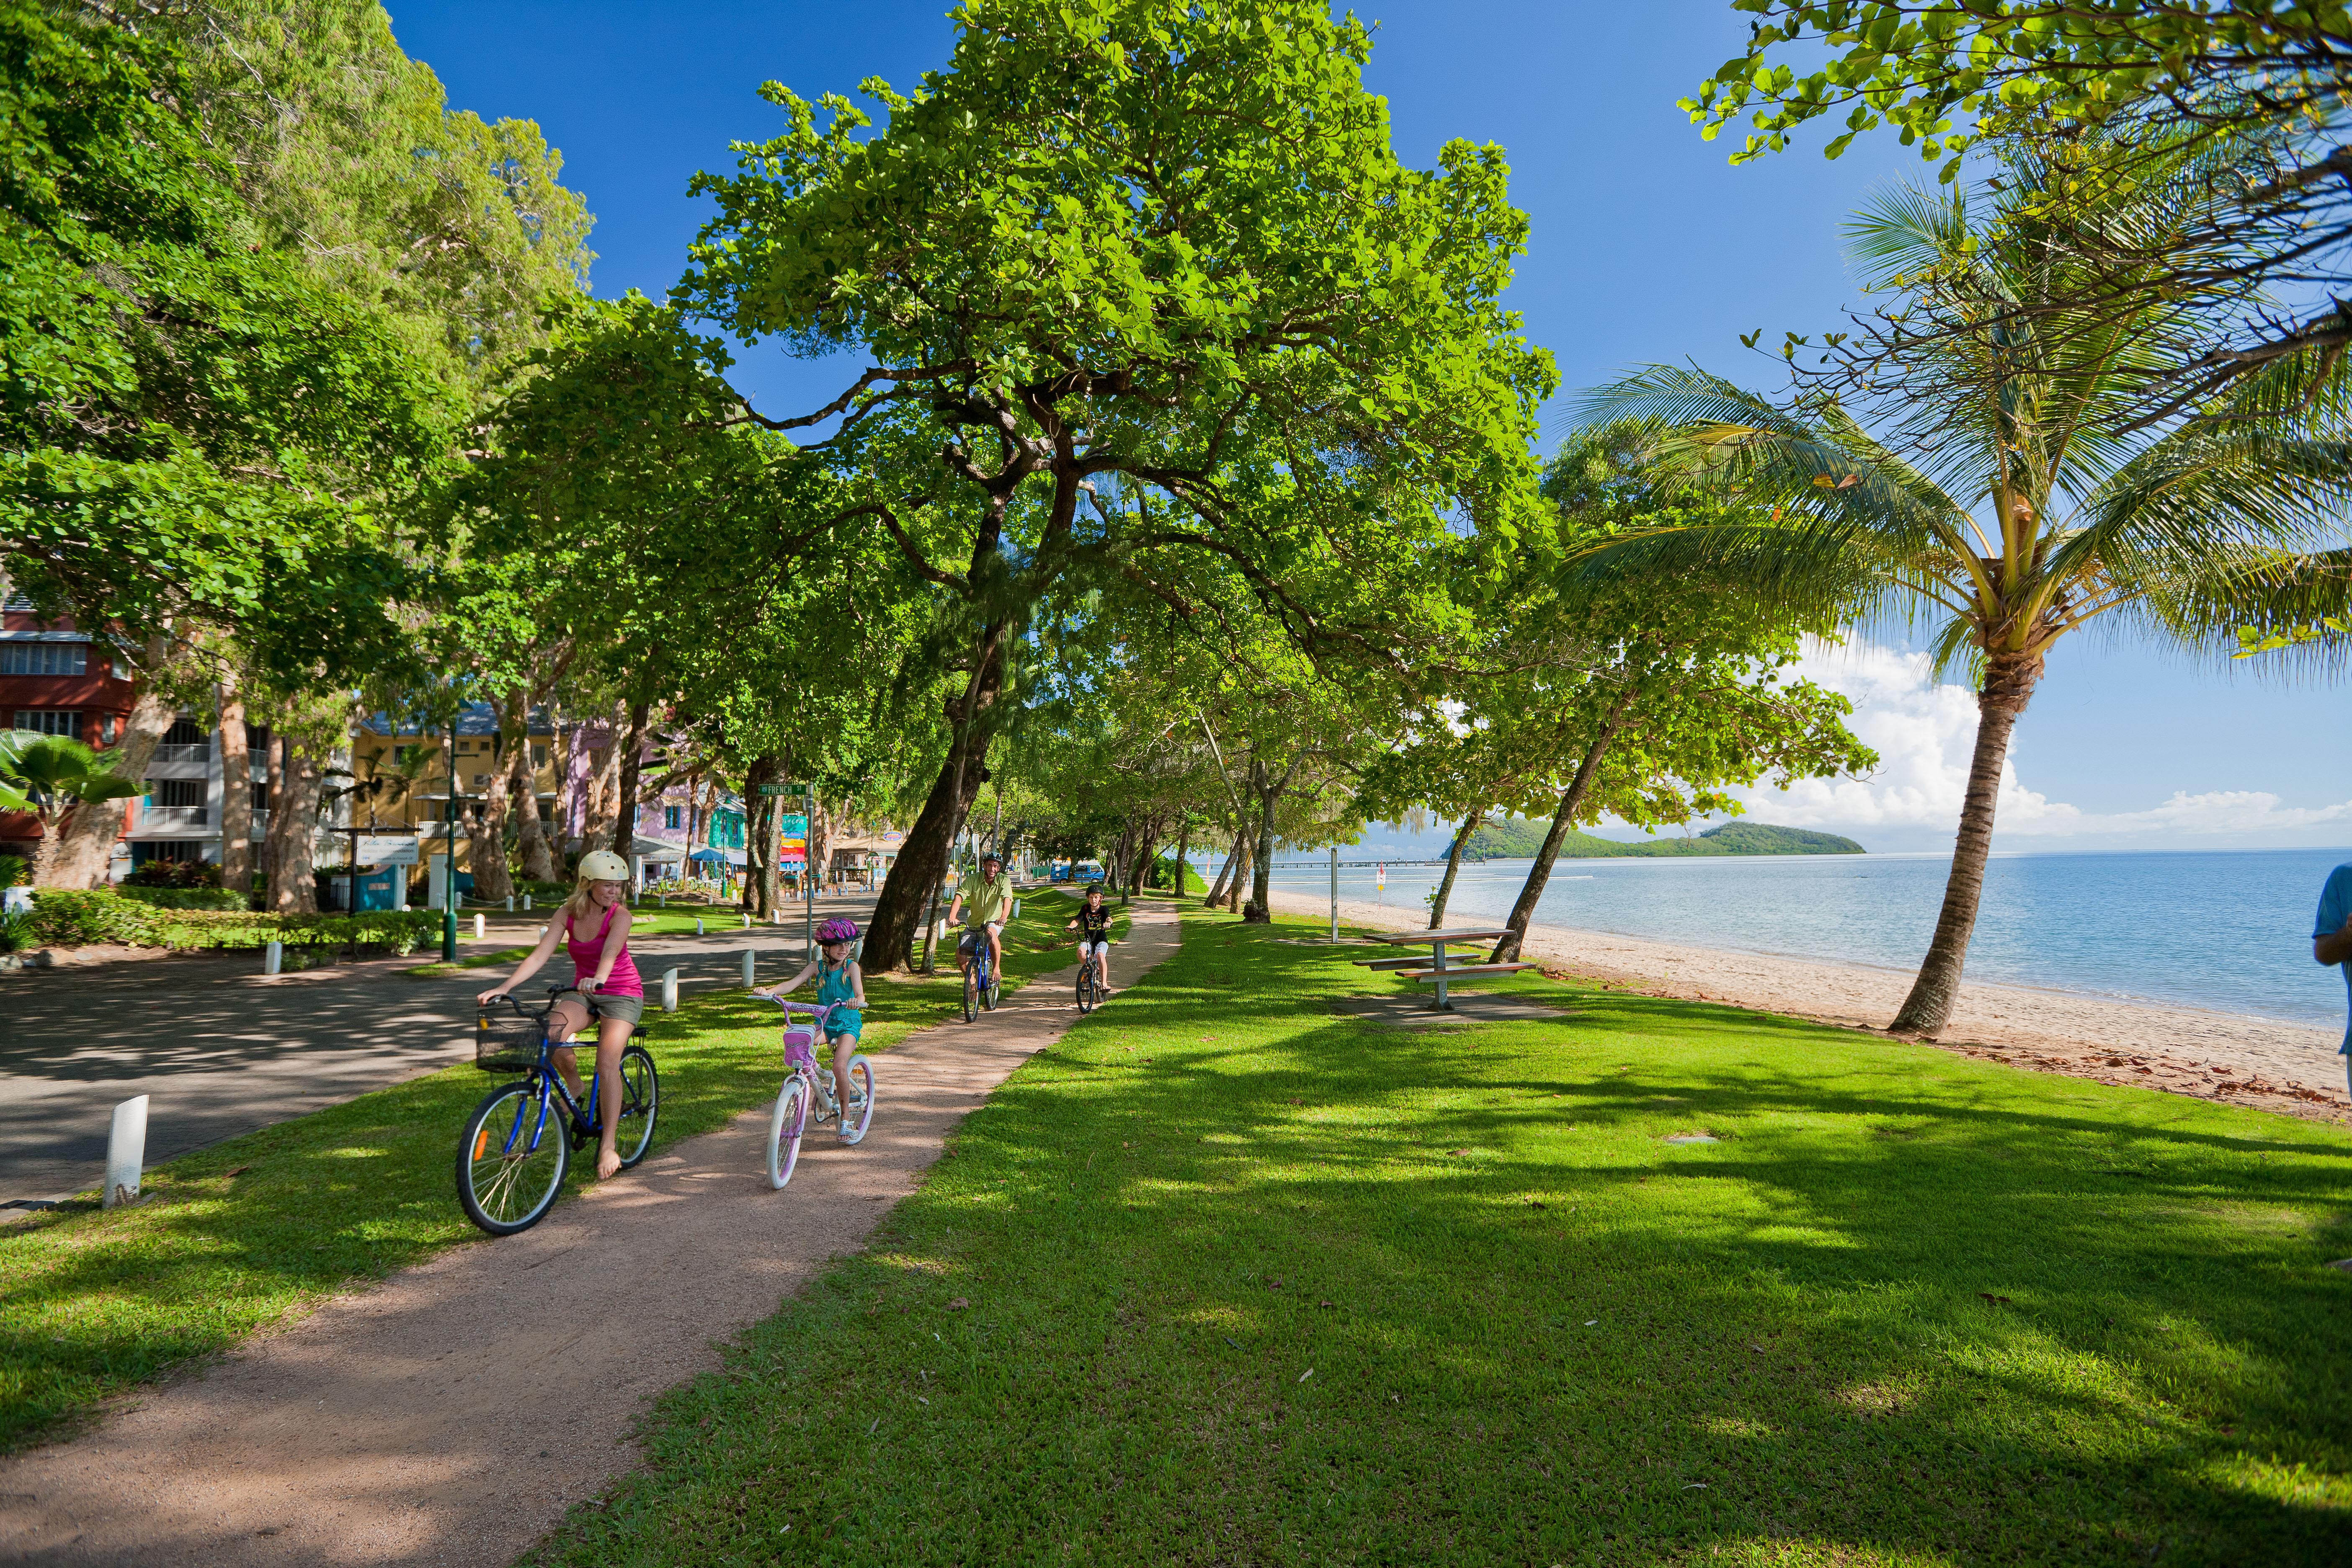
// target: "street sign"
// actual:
[[383, 849], [792, 839], [777, 789]]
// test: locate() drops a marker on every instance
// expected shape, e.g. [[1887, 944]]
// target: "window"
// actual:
[[670, 817], [481, 781], [178, 791], [106, 728], [261, 797], [400, 755], [43, 658], [538, 754], [185, 731], [165, 849], [50, 722]]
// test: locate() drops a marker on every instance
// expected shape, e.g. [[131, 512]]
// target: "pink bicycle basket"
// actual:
[[799, 1047]]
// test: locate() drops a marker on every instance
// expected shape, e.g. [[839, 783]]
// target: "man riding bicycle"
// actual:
[[989, 901]]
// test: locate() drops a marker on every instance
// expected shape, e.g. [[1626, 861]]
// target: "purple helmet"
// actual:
[[836, 930]]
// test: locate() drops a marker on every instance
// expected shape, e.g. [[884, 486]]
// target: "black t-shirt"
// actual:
[[1094, 925]]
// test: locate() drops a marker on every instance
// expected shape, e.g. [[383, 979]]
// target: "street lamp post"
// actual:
[[449, 855]]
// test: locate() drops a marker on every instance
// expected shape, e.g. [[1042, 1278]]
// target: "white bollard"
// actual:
[[509, 903], [273, 958], [669, 991], [1016, 909], [697, 925], [526, 903], [747, 968], [747, 922], [478, 925], [665, 901], [126, 1152], [543, 934]]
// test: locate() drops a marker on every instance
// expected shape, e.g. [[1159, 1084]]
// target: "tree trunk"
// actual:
[[1146, 854], [1183, 843], [759, 845], [1571, 801], [624, 806], [1470, 825], [493, 882], [530, 836], [1260, 908], [569, 807], [604, 785], [2007, 685], [236, 794], [922, 860], [1240, 871], [293, 837], [87, 844], [1224, 875]]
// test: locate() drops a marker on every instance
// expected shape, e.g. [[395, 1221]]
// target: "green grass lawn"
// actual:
[[234, 1236], [1225, 1278]]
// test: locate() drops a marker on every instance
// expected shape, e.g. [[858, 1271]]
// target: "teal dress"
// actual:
[[833, 985]]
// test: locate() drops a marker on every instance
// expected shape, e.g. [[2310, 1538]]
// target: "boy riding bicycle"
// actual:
[[990, 901], [1092, 922]]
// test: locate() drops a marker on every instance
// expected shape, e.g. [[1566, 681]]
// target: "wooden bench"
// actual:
[[1390, 962], [1458, 970]]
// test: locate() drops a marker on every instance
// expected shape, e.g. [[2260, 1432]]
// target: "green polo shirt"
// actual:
[[989, 899]]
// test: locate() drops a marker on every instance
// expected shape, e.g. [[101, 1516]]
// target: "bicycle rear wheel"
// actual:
[[640, 1104], [511, 1161], [856, 1089], [785, 1125]]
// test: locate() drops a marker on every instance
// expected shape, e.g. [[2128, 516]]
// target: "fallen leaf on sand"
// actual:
[[959, 1304]]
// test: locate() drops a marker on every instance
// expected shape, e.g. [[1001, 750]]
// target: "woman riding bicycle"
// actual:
[[1092, 922], [841, 986], [601, 968]]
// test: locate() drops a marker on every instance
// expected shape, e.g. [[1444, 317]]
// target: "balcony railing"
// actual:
[[199, 751], [174, 818]]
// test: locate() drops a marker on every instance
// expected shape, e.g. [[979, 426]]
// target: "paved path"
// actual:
[[451, 1414], [221, 1049]]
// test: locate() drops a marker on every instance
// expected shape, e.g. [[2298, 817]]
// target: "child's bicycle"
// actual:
[[1091, 989], [519, 1140], [981, 988], [809, 1093]]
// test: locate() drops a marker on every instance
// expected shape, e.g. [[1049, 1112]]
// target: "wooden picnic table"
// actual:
[[1437, 941]]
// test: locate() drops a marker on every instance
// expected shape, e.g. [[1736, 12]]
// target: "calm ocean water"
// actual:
[[2228, 931]]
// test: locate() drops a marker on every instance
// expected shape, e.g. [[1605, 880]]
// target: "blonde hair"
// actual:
[[582, 898]]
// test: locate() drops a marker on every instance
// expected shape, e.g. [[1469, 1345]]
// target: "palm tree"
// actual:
[[49, 776], [2004, 495]]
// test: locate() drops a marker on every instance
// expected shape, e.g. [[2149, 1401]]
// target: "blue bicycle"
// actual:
[[518, 1142], [980, 986]]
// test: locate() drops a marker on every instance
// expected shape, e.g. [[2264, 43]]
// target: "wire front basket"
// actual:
[[506, 1045]]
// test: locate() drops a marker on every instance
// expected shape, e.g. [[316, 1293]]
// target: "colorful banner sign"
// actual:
[[791, 841]]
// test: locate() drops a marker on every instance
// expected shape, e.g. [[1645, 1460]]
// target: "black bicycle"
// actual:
[[518, 1142], [1091, 989]]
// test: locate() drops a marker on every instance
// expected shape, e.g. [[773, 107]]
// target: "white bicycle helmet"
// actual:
[[603, 865]]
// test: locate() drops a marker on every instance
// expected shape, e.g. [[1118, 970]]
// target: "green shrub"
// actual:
[[173, 874], [16, 930], [66, 918], [198, 898], [13, 871]]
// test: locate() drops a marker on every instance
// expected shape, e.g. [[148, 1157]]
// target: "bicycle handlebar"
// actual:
[[815, 1010]]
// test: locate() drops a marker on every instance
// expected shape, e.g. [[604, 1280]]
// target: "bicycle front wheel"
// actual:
[[971, 995], [1086, 988], [512, 1162], [640, 1104], [856, 1085], [785, 1125]]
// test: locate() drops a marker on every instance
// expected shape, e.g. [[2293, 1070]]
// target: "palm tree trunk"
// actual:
[[1470, 825], [2007, 685], [1217, 889]]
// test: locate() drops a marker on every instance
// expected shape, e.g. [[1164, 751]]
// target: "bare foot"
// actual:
[[608, 1162]]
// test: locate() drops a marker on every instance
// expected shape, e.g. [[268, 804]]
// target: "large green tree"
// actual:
[[1155, 253], [1997, 487]]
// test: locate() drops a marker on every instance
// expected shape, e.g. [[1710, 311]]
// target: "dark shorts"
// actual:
[[630, 1010]]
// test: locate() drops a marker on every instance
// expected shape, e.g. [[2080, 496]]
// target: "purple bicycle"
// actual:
[[811, 1093]]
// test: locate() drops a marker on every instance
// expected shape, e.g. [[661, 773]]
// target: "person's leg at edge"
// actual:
[[842, 1046], [609, 1041], [996, 951]]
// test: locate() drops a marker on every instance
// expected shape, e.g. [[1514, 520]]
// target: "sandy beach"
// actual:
[[2223, 1057]]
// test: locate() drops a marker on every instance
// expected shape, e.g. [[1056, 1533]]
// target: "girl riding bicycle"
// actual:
[[1092, 922], [841, 986], [601, 968]]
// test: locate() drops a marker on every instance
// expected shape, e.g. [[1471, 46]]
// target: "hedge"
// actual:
[[186, 897], [69, 919]]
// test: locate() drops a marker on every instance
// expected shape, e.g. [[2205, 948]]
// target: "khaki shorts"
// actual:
[[630, 1010]]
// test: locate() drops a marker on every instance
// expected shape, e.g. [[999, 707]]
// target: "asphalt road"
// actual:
[[220, 1049]]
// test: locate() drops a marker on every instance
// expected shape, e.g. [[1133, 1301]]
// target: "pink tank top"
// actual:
[[585, 955]]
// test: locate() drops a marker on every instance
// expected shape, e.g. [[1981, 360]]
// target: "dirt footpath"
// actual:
[[452, 1413]]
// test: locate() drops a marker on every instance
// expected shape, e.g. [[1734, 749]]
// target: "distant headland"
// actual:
[[1519, 839]]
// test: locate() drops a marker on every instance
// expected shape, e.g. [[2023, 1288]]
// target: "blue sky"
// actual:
[[1646, 245]]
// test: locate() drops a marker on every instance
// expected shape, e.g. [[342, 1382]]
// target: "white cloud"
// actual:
[[1923, 732]]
